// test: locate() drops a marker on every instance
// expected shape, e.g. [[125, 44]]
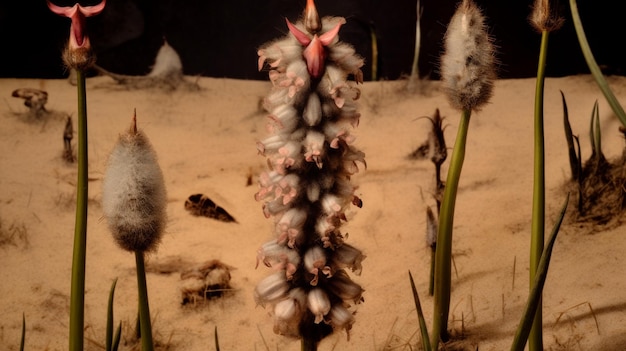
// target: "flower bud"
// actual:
[[318, 304], [288, 313], [271, 289], [339, 317], [133, 193]]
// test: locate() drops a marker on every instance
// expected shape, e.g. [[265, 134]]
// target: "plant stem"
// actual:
[[414, 77], [535, 341], [443, 259], [593, 66], [144, 308], [77, 300], [308, 344]]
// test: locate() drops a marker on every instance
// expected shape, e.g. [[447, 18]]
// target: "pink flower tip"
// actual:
[[78, 36]]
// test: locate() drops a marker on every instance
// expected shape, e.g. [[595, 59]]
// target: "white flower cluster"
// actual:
[[307, 188]]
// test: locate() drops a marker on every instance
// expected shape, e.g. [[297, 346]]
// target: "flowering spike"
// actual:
[[311, 155]]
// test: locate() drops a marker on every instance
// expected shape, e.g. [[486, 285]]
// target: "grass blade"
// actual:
[[523, 329], [420, 316], [23, 339], [217, 342], [109, 330], [593, 66], [117, 337], [569, 137]]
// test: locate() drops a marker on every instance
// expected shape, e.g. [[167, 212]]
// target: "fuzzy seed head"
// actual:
[[133, 193], [467, 66]]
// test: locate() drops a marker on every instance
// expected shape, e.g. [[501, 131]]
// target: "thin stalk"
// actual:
[[308, 344], [593, 66], [443, 259], [374, 41], [144, 307], [77, 299], [534, 298], [535, 341], [414, 77]]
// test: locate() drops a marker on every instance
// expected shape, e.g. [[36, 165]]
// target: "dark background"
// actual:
[[220, 38]]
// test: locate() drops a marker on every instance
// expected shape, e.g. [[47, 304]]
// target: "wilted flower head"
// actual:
[[307, 189], [544, 17], [78, 53]]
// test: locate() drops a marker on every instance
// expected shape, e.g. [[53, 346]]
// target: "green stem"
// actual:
[[443, 259], [77, 299], [144, 308], [535, 341], [308, 344], [593, 66]]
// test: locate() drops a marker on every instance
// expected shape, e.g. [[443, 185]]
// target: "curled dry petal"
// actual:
[[341, 318], [342, 286], [348, 256]]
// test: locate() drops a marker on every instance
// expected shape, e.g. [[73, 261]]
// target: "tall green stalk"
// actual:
[[593, 66], [77, 299], [443, 255], [535, 340], [144, 308]]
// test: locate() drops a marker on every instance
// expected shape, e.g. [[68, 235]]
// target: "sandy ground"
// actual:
[[206, 143]]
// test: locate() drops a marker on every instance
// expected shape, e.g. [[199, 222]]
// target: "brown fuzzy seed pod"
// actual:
[[133, 194]]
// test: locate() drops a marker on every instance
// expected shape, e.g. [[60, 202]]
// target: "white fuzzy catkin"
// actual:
[[467, 66], [133, 193]]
